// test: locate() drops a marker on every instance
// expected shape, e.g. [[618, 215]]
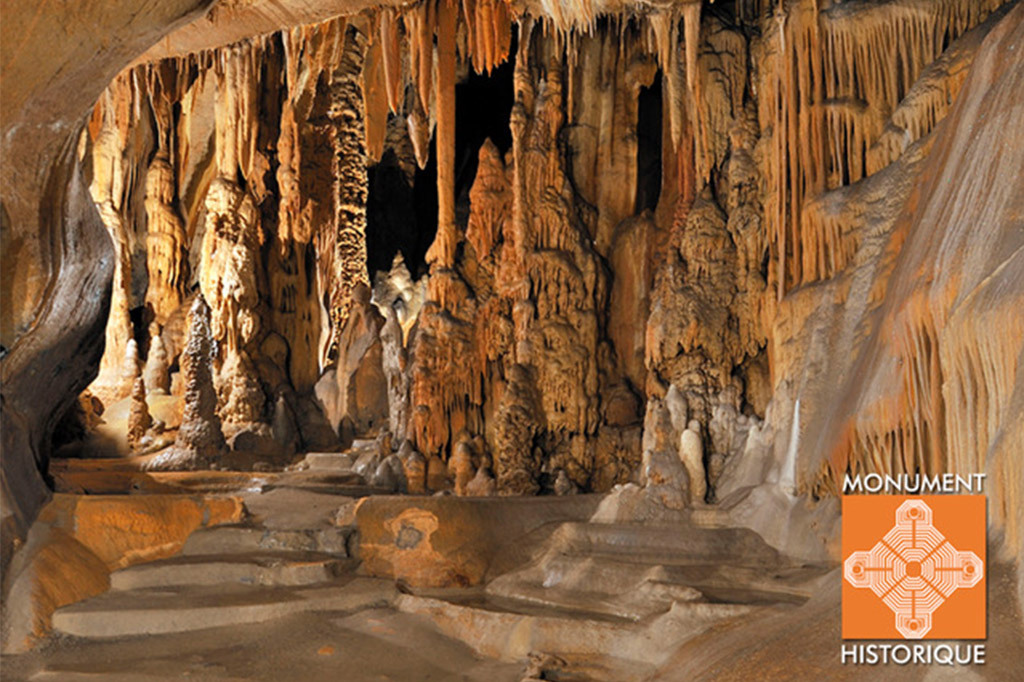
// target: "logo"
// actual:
[[913, 567]]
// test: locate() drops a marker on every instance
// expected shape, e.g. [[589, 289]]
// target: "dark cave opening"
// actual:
[[399, 218], [648, 155], [483, 107], [402, 218]]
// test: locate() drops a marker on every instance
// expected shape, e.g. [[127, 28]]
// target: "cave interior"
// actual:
[[542, 334]]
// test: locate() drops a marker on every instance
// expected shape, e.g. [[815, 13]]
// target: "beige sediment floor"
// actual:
[[368, 646]]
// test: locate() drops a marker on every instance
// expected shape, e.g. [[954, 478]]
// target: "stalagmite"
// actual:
[[563, 484], [460, 467], [156, 372], [515, 460], [200, 441], [394, 362], [139, 419], [437, 474], [414, 468], [482, 485], [131, 368], [361, 383], [691, 454]]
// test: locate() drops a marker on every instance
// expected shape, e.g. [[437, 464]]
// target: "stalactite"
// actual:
[[375, 101], [442, 251], [422, 44], [931, 295], [234, 235], [524, 95], [166, 240], [391, 57], [665, 26], [166, 246], [295, 315], [834, 75], [488, 25], [929, 99], [420, 128], [691, 40], [301, 211], [349, 170], [612, 70]]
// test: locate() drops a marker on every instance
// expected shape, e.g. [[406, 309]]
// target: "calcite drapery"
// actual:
[[849, 66]]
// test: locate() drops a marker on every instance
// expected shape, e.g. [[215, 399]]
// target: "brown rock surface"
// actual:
[[723, 255], [453, 542]]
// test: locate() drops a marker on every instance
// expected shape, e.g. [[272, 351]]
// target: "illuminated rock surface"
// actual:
[[627, 288]]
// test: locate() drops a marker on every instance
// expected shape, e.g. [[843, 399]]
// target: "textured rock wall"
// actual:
[[56, 260], [926, 389]]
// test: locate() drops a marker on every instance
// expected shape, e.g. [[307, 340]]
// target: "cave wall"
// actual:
[[933, 383], [55, 262]]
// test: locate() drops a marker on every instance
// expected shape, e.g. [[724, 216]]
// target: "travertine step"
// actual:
[[637, 571], [247, 539], [124, 613], [329, 461], [675, 544], [594, 646], [241, 569], [631, 590], [623, 591]]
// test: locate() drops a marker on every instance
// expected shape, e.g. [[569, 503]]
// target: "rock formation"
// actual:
[[157, 373], [414, 468], [139, 419], [460, 467], [200, 440], [712, 248]]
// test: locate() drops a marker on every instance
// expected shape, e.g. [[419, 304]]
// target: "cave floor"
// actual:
[[298, 565], [371, 645]]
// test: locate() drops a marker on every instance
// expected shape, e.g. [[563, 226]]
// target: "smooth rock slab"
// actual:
[[597, 648], [182, 609], [245, 569], [244, 539]]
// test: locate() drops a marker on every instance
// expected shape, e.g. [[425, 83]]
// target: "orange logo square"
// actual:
[[914, 567]]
